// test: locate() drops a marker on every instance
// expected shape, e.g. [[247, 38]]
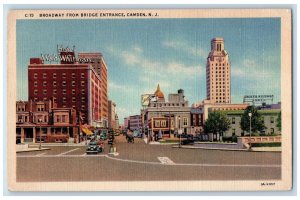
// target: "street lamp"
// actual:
[[179, 132], [250, 115], [40, 146]]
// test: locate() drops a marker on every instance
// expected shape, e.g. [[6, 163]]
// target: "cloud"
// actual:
[[184, 47], [251, 69]]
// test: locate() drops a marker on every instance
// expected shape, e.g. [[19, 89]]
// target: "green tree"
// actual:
[[257, 122], [217, 122], [278, 124]]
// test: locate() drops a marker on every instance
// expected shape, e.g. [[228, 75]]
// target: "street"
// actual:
[[144, 162]]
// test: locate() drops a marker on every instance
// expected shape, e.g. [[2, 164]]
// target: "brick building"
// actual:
[[42, 120], [78, 85]]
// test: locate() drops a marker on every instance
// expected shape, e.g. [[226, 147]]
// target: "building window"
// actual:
[[63, 118], [64, 99], [35, 83], [63, 75], [185, 121], [35, 75], [44, 92], [157, 123], [163, 123], [73, 83], [73, 75], [233, 132], [83, 91], [44, 75], [272, 120], [73, 91], [83, 107], [82, 75], [82, 83], [82, 99], [64, 83], [35, 92], [54, 75], [54, 84], [54, 91], [44, 83], [73, 99]]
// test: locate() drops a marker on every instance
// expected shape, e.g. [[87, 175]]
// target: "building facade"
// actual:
[[98, 63], [43, 121], [167, 117], [72, 85], [112, 115], [135, 123], [218, 75], [270, 117]]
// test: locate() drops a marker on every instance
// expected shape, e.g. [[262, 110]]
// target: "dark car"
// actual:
[[187, 141], [103, 136], [94, 148]]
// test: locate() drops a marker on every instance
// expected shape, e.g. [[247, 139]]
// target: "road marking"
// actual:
[[67, 152], [40, 154], [193, 164], [153, 163], [165, 160]]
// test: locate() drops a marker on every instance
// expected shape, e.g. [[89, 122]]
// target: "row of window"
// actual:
[[220, 64], [54, 92], [167, 104], [54, 75], [271, 120], [63, 83]]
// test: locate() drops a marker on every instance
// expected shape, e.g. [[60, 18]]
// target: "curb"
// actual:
[[222, 149], [30, 150]]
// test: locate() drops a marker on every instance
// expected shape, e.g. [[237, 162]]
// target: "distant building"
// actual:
[[44, 120], [126, 123], [135, 122], [218, 78], [112, 115]]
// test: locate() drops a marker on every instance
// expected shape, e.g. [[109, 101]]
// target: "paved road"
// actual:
[[140, 161]]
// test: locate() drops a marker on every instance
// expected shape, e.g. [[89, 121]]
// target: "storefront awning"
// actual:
[[87, 131]]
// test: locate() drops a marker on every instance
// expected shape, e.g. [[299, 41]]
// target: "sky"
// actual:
[[141, 53]]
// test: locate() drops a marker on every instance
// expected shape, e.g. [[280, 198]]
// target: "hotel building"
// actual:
[[71, 84]]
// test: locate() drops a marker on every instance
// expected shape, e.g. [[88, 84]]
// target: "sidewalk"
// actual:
[[26, 148]]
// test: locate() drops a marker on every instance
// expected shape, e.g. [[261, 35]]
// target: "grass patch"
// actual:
[[169, 141], [275, 144]]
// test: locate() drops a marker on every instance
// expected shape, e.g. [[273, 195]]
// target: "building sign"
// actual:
[[146, 99], [258, 99]]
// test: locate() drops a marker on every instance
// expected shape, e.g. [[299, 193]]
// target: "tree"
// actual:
[[257, 122], [217, 122], [278, 124]]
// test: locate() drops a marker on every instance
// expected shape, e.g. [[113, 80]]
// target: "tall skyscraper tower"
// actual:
[[218, 86]]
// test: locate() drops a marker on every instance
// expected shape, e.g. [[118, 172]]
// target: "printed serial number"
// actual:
[[267, 184]]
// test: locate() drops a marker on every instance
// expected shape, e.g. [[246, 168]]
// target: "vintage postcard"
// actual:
[[149, 100]]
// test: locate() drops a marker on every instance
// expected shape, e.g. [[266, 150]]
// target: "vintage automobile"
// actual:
[[94, 147]]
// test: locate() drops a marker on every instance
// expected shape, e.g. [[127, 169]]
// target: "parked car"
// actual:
[[187, 141], [94, 147]]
